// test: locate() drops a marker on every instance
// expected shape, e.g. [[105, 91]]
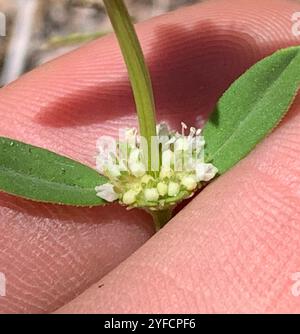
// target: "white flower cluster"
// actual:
[[181, 169]]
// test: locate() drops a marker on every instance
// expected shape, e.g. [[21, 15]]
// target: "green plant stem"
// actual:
[[137, 70], [141, 86], [161, 218]]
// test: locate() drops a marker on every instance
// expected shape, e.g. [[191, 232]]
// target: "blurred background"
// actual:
[[37, 31]]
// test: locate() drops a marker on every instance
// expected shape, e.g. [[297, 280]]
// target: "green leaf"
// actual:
[[38, 174], [253, 105]]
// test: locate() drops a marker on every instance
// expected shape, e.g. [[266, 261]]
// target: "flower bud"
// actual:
[[151, 195], [173, 189], [162, 189], [165, 173], [189, 182], [137, 169], [129, 197]]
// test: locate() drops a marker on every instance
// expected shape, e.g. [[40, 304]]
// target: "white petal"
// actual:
[[129, 197], [189, 182], [100, 163], [134, 156], [113, 170], [106, 191], [205, 172], [181, 144], [131, 137], [122, 166], [162, 188], [169, 142], [151, 194], [173, 189], [137, 169], [167, 159], [165, 173]]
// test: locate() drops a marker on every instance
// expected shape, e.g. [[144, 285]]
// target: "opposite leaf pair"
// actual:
[[244, 115]]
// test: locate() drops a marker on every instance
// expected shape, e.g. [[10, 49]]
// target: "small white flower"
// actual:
[[181, 171], [113, 170], [137, 169], [181, 144], [106, 192], [146, 179], [131, 137], [189, 182], [151, 194], [134, 156], [165, 173], [167, 159], [129, 197], [173, 189], [162, 189], [205, 172]]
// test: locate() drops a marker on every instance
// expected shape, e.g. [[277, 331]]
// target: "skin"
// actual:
[[233, 248]]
